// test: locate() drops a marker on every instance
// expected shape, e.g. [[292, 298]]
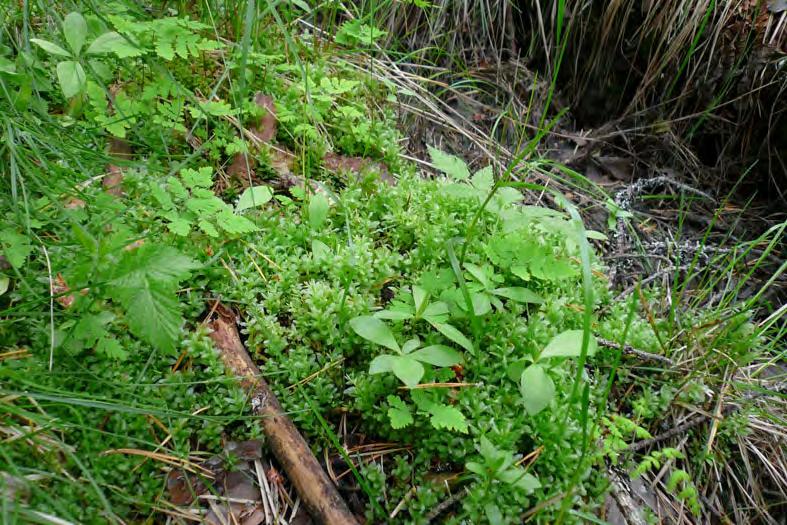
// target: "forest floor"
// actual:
[[469, 317]]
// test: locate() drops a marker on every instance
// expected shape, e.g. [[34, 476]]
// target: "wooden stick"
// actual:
[[317, 491]]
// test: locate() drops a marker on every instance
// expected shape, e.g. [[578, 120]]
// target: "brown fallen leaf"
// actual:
[[118, 149], [356, 166], [246, 450], [265, 131]]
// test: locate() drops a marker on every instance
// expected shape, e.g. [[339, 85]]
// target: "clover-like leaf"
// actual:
[[374, 330]]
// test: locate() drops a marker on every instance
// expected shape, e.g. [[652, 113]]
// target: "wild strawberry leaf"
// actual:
[[145, 282], [448, 417], [398, 413]]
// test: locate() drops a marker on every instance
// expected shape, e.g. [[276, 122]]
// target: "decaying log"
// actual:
[[316, 490]]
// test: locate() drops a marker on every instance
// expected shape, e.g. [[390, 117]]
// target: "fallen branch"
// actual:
[[629, 350], [314, 487]]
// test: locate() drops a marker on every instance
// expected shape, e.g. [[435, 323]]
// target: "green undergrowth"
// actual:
[[440, 314]]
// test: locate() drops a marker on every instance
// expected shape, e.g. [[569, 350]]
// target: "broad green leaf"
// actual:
[[408, 370], [519, 294], [438, 355], [112, 42], [381, 364], [515, 369], [493, 514], [593, 234], [481, 304], [568, 344], [50, 48], [436, 311], [253, 197], [419, 299], [75, 31], [454, 335], [537, 389], [521, 479], [5, 281], [71, 77], [318, 210], [410, 345], [451, 165], [448, 417], [374, 330], [393, 315], [320, 250], [399, 413], [478, 274]]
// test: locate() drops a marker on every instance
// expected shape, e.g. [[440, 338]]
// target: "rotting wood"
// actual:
[[317, 491]]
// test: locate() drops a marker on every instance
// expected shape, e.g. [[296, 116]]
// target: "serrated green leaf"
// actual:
[[408, 370], [253, 197], [519, 294], [399, 413], [179, 226], [451, 165], [318, 210], [454, 335], [568, 344], [199, 178], [144, 282], [51, 48], [16, 247], [448, 417], [111, 348], [374, 330], [71, 77], [208, 228], [234, 224], [75, 31], [438, 355], [537, 389]]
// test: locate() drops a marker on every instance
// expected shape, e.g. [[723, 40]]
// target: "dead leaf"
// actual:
[[247, 450], [183, 487], [619, 168], [59, 287], [356, 166], [266, 128], [119, 149]]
